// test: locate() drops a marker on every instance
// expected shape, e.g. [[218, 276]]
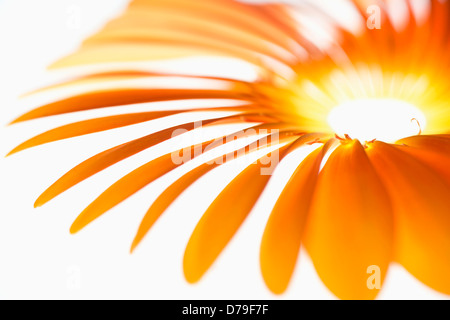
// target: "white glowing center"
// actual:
[[382, 119]]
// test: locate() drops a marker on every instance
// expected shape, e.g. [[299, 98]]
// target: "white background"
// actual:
[[39, 259]]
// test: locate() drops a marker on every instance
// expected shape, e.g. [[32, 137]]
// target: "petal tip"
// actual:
[[134, 246], [41, 201]]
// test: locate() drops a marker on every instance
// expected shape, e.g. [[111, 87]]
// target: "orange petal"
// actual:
[[222, 219], [121, 97], [104, 160], [90, 126], [186, 31], [422, 221], [255, 19], [175, 189], [114, 155], [177, 28], [349, 227], [438, 143], [166, 198], [123, 189], [431, 150], [281, 240], [85, 127], [129, 185]]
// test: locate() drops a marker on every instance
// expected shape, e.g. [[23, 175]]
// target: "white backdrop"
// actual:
[[39, 259]]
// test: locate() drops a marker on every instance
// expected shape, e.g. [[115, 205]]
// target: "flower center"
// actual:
[[383, 119]]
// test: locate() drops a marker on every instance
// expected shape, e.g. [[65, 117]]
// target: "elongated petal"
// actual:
[[123, 189], [131, 52], [184, 32], [431, 150], [421, 202], [260, 20], [438, 143], [280, 244], [166, 198], [177, 28], [349, 227], [132, 183], [104, 160], [85, 127], [114, 155], [222, 219], [174, 190], [89, 126], [121, 97]]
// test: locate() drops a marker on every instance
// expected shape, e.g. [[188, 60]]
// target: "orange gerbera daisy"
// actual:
[[370, 93]]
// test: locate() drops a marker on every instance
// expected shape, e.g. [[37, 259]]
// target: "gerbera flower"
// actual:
[[367, 195]]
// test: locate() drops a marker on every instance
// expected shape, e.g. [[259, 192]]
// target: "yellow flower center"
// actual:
[[383, 119]]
